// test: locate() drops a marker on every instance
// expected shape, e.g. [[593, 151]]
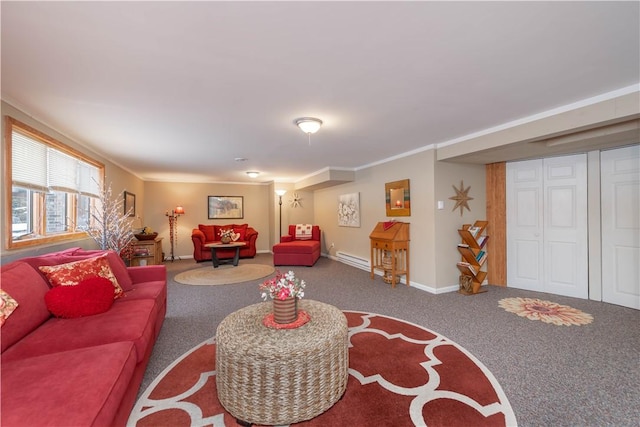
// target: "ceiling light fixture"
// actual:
[[253, 174], [308, 125]]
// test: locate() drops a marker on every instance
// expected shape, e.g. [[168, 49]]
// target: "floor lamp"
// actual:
[[173, 227], [280, 193]]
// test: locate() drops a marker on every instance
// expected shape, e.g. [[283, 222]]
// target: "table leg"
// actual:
[[236, 257], [214, 258]]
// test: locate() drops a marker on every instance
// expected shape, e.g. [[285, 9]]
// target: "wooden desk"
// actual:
[[390, 251]]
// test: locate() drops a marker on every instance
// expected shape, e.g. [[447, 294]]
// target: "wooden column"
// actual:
[[496, 174]]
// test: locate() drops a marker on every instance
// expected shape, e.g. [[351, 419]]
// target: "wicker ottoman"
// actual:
[[281, 376]]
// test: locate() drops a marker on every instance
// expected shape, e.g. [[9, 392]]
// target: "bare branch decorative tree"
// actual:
[[111, 226]]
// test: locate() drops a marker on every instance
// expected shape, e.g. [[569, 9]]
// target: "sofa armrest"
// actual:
[[198, 235], [150, 273], [287, 238]]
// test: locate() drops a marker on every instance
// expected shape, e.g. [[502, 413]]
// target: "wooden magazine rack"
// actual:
[[474, 257]]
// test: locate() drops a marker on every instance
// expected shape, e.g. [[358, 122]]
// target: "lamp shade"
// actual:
[[179, 210], [280, 192], [308, 124]]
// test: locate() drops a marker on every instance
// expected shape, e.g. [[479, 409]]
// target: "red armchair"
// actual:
[[205, 234], [295, 251]]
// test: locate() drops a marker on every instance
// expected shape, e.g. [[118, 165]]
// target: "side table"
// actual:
[[147, 252], [281, 376]]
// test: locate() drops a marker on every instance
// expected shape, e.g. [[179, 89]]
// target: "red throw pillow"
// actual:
[[242, 231], [93, 295], [74, 272]]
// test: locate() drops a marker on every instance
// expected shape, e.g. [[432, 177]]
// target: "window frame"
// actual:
[[38, 216]]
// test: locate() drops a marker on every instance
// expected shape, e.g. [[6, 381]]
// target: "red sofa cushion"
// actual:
[[28, 288], [297, 247], [212, 232], [91, 296], [83, 387], [125, 321], [209, 232]]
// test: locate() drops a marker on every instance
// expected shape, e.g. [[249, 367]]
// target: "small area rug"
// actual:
[[224, 274], [400, 374], [546, 311]]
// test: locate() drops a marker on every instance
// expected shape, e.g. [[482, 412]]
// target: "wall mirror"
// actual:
[[398, 202]]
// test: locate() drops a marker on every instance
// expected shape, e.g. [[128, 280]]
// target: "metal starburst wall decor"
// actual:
[[461, 197]]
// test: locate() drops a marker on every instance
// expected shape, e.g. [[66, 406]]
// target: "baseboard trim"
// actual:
[[403, 280]]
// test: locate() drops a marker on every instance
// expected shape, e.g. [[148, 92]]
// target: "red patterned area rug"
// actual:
[[400, 374]]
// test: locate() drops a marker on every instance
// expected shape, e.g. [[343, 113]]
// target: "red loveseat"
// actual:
[[297, 251], [206, 234], [83, 371]]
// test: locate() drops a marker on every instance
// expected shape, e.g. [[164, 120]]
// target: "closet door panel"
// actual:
[[565, 226], [524, 224], [620, 177]]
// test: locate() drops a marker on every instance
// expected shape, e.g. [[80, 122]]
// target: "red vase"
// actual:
[[285, 311]]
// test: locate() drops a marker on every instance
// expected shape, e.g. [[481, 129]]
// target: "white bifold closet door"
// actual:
[[547, 247], [620, 188]]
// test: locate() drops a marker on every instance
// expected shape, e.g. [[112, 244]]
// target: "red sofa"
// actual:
[[83, 371], [205, 234], [293, 251]]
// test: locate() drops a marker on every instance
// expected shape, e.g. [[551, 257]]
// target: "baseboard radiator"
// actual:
[[353, 261]]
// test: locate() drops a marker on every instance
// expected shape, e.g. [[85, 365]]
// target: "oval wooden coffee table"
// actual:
[[281, 376]]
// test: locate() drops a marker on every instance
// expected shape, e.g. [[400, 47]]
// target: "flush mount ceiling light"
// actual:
[[308, 125], [253, 174]]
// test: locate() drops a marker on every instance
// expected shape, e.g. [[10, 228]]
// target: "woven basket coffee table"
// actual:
[[281, 376]]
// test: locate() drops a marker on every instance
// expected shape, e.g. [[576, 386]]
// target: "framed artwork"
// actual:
[[226, 207], [349, 210], [397, 198], [129, 204]]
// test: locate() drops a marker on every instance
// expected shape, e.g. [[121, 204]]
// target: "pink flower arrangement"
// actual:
[[283, 286]]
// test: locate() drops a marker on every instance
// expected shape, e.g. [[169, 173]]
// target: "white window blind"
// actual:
[[62, 174], [42, 168], [89, 180], [28, 163]]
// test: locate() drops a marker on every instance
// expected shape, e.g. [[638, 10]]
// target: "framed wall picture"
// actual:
[[397, 198], [226, 207], [349, 210], [129, 204]]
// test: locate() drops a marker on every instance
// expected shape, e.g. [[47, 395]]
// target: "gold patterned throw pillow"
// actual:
[[72, 273], [7, 305]]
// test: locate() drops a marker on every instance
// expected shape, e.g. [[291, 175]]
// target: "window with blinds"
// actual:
[[53, 187]]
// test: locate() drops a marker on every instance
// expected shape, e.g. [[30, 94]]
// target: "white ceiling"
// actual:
[[175, 91]]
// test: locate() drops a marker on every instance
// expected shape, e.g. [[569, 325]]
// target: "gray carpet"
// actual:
[[552, 375]]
